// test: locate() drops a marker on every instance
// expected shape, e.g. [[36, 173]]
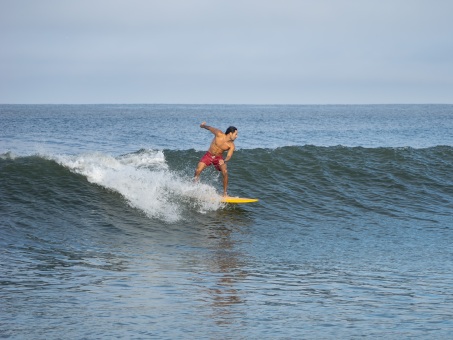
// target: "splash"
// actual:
[[146, 182]]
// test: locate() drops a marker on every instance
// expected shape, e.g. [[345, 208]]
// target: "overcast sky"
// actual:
[[226, 52]]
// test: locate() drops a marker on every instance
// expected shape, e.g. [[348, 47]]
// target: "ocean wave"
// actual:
[[142, 178], [308, 182]]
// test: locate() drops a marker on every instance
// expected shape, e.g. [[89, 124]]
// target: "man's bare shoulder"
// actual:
[[218, 133]]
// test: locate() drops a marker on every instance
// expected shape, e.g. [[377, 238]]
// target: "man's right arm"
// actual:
[[210, 128]]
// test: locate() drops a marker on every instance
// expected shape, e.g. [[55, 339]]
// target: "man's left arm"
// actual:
[[230, 153]]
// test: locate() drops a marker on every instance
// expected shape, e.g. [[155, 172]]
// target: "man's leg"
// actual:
[[201, 166], [224, 170]]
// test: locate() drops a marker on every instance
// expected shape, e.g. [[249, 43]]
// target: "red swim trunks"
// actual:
[[209, 159]]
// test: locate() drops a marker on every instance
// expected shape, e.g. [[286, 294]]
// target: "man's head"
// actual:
[[233, 131]]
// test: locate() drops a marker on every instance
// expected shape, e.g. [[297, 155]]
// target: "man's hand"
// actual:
[[202, 125]]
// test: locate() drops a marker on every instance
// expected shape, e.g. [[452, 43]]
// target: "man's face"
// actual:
[[234, 135]]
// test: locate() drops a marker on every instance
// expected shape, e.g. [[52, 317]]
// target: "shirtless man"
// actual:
[[222, 142]]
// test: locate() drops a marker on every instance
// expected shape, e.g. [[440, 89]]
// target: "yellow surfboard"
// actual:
[[238, 200]]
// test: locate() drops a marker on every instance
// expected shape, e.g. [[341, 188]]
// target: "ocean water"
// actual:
[[104, 234]]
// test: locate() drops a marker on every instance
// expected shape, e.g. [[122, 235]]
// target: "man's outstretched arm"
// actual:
[[210, 128]]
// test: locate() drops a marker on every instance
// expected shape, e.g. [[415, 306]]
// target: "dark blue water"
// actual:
[[104, 234]]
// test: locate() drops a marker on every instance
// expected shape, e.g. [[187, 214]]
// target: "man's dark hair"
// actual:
[[230, 129]]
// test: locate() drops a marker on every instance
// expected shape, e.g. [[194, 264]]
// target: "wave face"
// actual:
[[142, 179], [339, 181], [314, 182]]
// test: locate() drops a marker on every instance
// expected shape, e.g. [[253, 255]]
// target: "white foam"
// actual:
[[146, 182]]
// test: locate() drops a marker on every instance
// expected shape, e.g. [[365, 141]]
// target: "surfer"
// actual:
[[221, 143]]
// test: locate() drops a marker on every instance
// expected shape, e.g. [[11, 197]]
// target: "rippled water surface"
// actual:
[[103, 233]]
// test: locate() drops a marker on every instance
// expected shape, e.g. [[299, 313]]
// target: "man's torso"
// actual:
[[219, 145]]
